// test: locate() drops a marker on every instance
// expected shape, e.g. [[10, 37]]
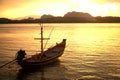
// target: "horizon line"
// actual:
[[35, 16]]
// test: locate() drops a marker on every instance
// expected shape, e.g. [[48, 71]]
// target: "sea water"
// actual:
[[92, 51]]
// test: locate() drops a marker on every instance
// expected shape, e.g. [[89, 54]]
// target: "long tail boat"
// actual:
[[44, 57]]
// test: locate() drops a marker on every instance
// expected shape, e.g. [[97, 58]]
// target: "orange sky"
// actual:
[[20, 8]]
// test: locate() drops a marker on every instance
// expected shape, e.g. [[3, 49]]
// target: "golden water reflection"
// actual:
[[92, 50]]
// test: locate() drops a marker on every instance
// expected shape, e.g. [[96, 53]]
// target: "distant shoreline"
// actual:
[[61, 23], [64, 20], [70, 17]]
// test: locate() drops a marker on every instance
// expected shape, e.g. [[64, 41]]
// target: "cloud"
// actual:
[[116, 1], [9, 4], [57, 7], [106, 1]]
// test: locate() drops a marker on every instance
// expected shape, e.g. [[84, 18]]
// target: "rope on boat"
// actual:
[[48, 37]]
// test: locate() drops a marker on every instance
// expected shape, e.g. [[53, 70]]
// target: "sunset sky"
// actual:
[[20, 8]]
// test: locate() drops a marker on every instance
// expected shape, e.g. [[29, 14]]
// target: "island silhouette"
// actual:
[[69, 17]]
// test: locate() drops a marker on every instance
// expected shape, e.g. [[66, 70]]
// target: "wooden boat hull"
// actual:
[[51, 55], [24, 64]]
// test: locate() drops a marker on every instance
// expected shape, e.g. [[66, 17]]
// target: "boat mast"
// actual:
[[42, 39]]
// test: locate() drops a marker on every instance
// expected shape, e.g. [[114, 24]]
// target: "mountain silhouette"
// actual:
[[70, 17]]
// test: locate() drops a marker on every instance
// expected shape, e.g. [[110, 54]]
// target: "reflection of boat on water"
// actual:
[[44, 57], [42, 73], [23, 74]]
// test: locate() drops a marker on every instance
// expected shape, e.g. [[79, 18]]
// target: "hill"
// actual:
[[70, 17]]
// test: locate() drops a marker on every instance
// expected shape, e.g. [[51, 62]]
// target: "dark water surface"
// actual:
[[92, 52]]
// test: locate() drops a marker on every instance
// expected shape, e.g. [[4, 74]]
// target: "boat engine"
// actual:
[[20, 55]]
